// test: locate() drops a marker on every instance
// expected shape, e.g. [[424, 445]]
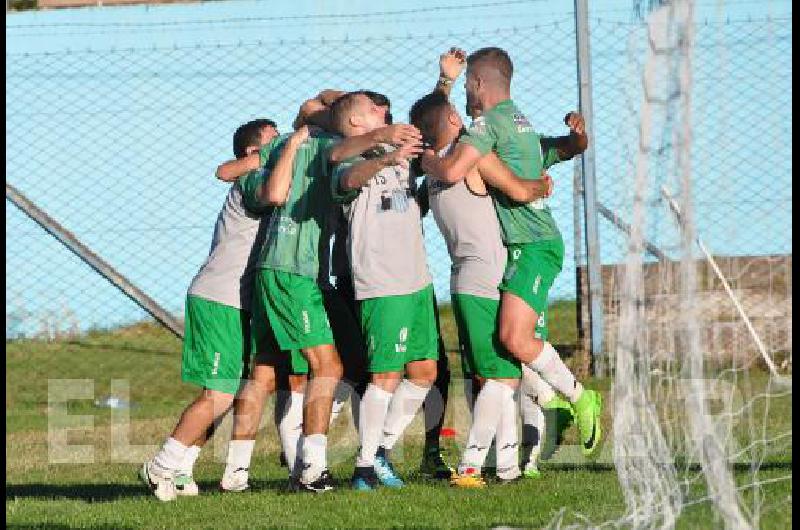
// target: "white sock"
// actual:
[[406, 402], [340, 396], [171, 454], [485, 420], [372, 416], [534, 386], [315, 448], [507, 438], [290, 429], [532, 429], [554, 371], [189, 458], [239, 454]]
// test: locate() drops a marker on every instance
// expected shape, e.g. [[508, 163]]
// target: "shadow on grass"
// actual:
[[53, 526], [112, 492], [106, 346]]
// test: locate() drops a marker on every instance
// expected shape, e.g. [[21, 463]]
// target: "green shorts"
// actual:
[[531, 269], [399, 329], [264, 345], [216, 345], [294, 308], [481, 351]]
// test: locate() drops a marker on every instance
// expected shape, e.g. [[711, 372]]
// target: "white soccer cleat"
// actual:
[[185, 486], [236, 481], [160, 481]]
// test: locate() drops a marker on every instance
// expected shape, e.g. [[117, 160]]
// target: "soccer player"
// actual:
[[286, 283], [534, 244], [391, 282], [468, 223], [216, 339]]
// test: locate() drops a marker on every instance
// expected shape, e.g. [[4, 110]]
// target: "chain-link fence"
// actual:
[[120, 147], [119, 144], [741, 174]]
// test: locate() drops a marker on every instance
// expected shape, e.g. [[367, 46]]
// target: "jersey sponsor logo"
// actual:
[[478, 126], [515, 254], [306, 322], [395, 200], [283, 225], [521, 123], [215, 368]]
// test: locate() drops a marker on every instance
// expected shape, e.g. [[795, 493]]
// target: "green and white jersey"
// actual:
[[385, 242], [228, 273], [293, 236], [469, 225], [505, 130]]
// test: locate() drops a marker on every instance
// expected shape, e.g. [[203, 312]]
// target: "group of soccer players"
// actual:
[[262, 315]]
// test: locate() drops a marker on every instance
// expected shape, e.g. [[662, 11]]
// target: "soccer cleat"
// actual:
[[588, 410], [322, 484], [160, 481], [558, 416], [185, 486], [434, 466], [236, 481], [385, 471], [470, 478], [364, 479], [531, 471]]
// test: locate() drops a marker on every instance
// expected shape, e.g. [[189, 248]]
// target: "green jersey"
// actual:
[[293, 236], [505, 130]]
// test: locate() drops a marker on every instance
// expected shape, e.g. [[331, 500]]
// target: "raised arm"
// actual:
[[451, 64], [397, 134], [497, 175], [233, 169], [314, 111], [357, 175], [275, 190], [571, 145], [453, 167]]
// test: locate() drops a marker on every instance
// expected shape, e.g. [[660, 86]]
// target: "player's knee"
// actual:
[[512, 341]]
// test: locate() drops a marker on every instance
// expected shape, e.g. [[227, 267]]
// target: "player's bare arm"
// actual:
[[572, 144], [359, 174], [397, 134], [452, 167], [497, 175], [314, 111], [451, 64], [275, 189], [233, 169]]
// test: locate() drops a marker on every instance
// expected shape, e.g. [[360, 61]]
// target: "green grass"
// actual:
[[106, 493]]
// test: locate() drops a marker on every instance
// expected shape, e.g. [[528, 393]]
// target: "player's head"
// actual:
[[356, 113], [252, 135], [382, 102], [436, 118], [489, 72], [312, 112]]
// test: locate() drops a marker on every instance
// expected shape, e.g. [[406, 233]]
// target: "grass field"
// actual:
[[107, 494]]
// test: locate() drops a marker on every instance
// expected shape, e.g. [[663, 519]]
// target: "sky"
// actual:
[[116, 117]]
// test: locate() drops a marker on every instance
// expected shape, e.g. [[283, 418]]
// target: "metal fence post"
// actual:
[[590, 189]]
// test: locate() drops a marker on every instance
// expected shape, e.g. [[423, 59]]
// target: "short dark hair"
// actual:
[[426, 114], [381, 101], [493, 57], [248, 135], [340, 110]]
